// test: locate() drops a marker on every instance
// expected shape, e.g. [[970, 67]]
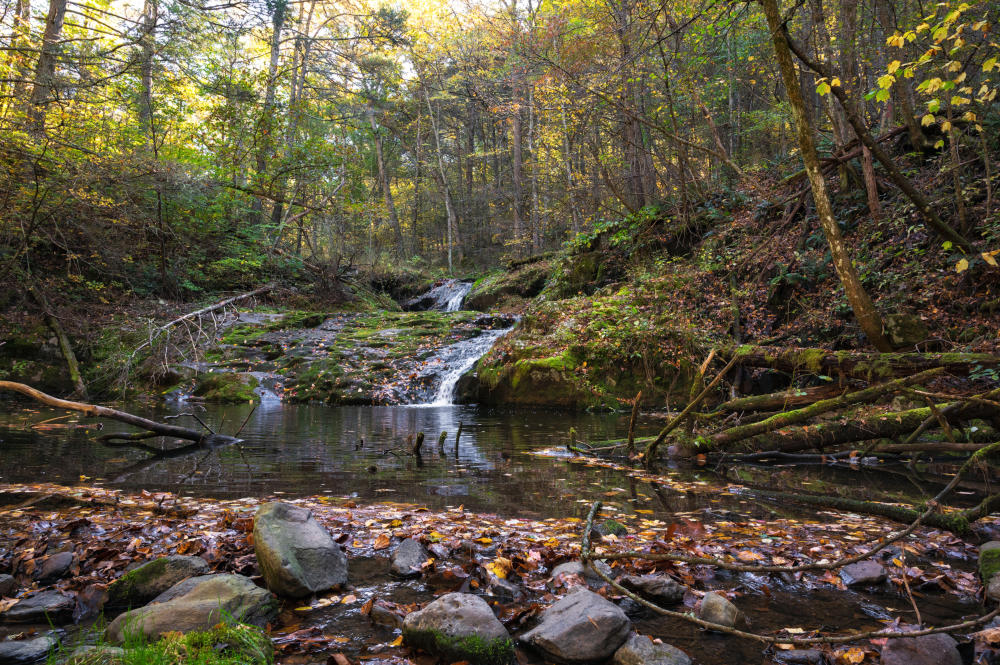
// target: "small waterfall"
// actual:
[[445, 297], [459, 359], [459, 292]]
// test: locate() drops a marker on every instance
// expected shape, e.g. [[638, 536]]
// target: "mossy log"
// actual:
[[823, 436], [867, 366], [868, 395], [779, 401]]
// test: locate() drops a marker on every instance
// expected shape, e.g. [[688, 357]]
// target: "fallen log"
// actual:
[[867, 366], [779, 401], [151, 427], [822, 436], [787, 418]]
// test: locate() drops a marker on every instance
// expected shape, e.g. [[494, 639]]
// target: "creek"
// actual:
[[295, 450]]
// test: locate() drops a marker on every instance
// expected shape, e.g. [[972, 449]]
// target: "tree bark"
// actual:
[[383, 177], [864, 310], [45, 68]]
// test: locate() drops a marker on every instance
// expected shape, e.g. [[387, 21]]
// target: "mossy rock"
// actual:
[[141, 585], [472, 648], [227, 387], [989, 560]]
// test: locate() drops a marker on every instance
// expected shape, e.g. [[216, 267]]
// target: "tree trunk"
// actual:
[[864, 310], [265, 140], [923, 205], [383, 178], [45, 68]]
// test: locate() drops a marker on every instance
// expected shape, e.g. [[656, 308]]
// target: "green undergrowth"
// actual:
[[225, 644]]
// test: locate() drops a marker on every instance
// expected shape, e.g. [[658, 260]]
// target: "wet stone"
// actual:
[[641, 650], [408, 558], [937, 649], [8, 585], [656, 588], [96, 655], [800, 657], [715, 608], [21, 652], [55, 567], [47, 606], [584, 572], [459, 626], [863, 573], [582, 627]]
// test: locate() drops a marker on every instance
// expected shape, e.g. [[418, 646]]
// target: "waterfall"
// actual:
[[458, 359], [445, 297]]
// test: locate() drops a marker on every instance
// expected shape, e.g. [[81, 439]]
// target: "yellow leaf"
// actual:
[[643, 511], [835, 83], [927, 120], [397, 642], [854, 656], [988, 257], [304, 608], [962, 266], [893, 66]]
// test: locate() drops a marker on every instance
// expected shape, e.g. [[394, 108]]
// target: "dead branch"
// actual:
[[94, 411]]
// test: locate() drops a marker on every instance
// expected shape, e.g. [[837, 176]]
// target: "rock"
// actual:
[[937, 649], [439, 550], [54, 567], [993, 588], [96, 655], [409, 556], [905, 329], [656, 588], [586, 573], [16, 652], [800, 657], [44, 607], [582, 627], [198, 603], [459, 626], [640, 650], [715, 608], [296, 554], [608, 528], [141, 585], [989, 560], [863, 573], [504, 590], [383, 616], [8, 585]]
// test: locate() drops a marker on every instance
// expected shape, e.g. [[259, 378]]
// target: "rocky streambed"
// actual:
[[393, 583]]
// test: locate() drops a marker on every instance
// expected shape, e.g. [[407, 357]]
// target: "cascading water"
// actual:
[[459, 292], [459, 359], [445, 297]]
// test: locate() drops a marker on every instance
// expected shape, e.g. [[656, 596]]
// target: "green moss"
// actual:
[[228, 387], [989, 562], [121, 592], [473, 648]]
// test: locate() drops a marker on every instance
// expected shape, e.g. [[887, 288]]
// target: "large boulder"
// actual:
[[655, 588], [297, 556], [197, 603], [937, 649], [408, 558], [45, 607], [21, 652], [582, 627], [459, 626], [716, 608], [641, 650], [141, 585]]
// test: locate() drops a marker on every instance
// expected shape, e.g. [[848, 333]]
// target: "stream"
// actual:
[[298, 450]]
